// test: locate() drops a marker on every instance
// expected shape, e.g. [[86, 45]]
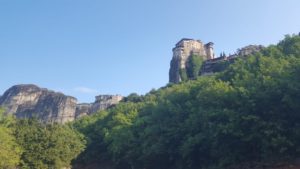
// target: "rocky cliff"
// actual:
[[27, 101], [182, 51], [102, 102], [186, 48]]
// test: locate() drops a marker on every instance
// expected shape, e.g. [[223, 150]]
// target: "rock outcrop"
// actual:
[[102, 102], [83, 109], [183, 50], [250, 49], [28, 101], [105, 101], [219, 64]]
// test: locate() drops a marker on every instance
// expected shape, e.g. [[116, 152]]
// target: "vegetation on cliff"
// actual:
[[248, 113], [193, 67]]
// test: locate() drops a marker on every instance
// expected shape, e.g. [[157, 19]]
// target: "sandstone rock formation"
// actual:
[[83, 109], [102, 102], [183, 50], [105, 101], [27, 101]]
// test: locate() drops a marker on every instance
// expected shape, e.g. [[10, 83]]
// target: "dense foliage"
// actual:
[[30, 144], [221, 66], [10, 151], [193, 68], [47, 146], [248, 113], [183, 74]]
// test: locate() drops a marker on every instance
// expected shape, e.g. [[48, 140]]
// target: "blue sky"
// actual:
[[88, 47]]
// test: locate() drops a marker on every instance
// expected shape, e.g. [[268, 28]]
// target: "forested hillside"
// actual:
[[250, 113], [30, 144], [247, 115]]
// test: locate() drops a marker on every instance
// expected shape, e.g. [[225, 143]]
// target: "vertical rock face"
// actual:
[[183, 50], [105, 101], [83, 109], [27, 101], [56, 107], [102, 102]]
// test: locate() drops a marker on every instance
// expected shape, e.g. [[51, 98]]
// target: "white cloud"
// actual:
[[85, 90]]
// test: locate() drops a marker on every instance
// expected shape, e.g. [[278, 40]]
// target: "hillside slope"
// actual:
[[248, 114]]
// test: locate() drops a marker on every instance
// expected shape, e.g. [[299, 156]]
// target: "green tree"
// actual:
[[47, 146], [194, 66], [183, 74], [10, 151]]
